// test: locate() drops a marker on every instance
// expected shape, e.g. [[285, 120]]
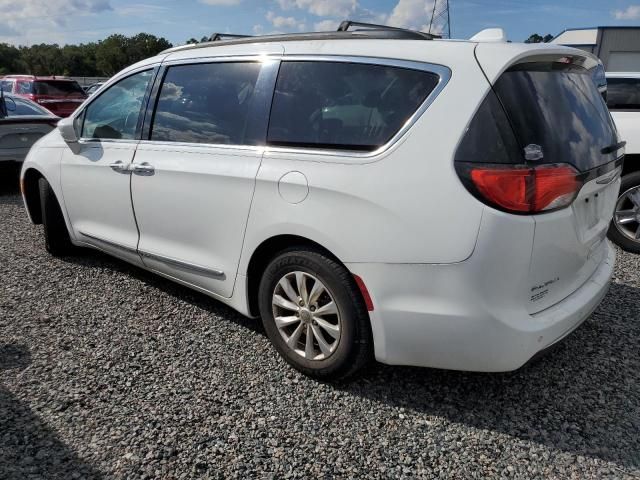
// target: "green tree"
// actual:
[[536, 38], [9, 58]]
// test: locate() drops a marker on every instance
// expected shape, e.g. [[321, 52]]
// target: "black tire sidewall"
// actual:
[[628, 181], [56, 235], [334, 277]]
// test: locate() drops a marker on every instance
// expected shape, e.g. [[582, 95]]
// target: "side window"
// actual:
[[7, 86], [24, 88], [115, 113], [206, 103], [623, 94], [344, 105]]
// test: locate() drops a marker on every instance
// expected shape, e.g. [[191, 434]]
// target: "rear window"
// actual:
[[344, 105], [19, 107], [551, 105], [56, 88], [623, 94]]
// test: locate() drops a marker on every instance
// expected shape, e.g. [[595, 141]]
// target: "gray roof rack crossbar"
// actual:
[[395, 31]]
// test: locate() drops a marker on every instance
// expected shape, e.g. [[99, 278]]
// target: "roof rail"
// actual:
[[216, 37], [366, 31], [394, 32]]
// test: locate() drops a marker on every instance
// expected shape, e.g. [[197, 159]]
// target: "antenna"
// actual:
[[440, 20]]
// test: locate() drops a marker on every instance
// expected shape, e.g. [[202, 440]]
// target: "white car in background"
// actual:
[[369, 193], [623, 99]]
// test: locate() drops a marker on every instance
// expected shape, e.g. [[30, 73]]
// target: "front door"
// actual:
[[193, 180], [96, 174]]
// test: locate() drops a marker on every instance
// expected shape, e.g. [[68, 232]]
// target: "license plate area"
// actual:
[[593, 211]]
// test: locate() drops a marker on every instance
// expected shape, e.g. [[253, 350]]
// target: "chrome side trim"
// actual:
[[210, 272], [184, 265], [110, 243]]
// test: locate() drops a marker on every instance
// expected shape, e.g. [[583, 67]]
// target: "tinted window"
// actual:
[[344, 105], [115, 113], [489, 138], [206, 103], [57, 88], [22, 107], [623, 94], [7, 85], [558, 107]]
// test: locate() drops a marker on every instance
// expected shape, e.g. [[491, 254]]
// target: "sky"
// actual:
[[25, 22]]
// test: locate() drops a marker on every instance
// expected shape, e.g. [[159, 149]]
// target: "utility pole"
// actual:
[[440, 21]]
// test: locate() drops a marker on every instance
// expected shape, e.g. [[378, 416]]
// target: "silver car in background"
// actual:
[[22, 123]]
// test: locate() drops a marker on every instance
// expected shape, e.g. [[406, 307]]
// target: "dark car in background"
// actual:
[[60, 95], [22, 123]]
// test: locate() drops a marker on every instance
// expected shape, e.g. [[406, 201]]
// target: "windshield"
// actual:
[[58, 88], [558, 107]]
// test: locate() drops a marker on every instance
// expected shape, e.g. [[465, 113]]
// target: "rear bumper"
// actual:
[[453, 317]]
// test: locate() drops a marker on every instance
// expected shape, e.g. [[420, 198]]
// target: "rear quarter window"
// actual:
[[348, 106], [623, 94]]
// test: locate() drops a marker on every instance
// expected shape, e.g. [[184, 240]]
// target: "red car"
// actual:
[[60, 95]]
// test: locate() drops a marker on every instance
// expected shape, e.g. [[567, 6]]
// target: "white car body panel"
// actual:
[[194, 210], [450, 277], [628, 121], [98, 198], [628, 124]]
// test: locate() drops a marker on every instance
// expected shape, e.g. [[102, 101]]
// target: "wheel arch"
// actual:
[[265, 252], [31, 194]]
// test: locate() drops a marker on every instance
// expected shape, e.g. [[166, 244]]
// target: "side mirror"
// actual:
[[67, 130]]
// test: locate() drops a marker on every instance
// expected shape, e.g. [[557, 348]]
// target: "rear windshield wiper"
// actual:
[[613, 148]]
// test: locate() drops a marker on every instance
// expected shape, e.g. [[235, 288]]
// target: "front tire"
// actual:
[[314, 315], [625, 226], [56, 235]]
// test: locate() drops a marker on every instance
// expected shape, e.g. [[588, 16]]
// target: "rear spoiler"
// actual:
[[494, 58]]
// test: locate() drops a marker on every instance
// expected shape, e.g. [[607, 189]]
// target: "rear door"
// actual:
[[193, 179], [553, 106]]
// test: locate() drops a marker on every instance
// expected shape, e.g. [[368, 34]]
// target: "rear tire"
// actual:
[[56, 235], [343, 325], [616, 235]]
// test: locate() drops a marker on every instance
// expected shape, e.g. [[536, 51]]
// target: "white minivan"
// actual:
[[370, 194]]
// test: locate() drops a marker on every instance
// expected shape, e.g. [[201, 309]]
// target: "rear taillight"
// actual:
[[521, 188]]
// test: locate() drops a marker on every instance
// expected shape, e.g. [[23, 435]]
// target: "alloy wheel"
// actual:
[[627, 215], [306, 315]]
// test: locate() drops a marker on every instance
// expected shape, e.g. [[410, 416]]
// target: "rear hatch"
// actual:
[[61, 97], [551, 139]]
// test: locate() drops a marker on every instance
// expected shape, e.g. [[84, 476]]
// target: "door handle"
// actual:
[[119, 167], [144, 168]]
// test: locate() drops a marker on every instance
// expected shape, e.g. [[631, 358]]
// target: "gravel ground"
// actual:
[[107, 371]]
